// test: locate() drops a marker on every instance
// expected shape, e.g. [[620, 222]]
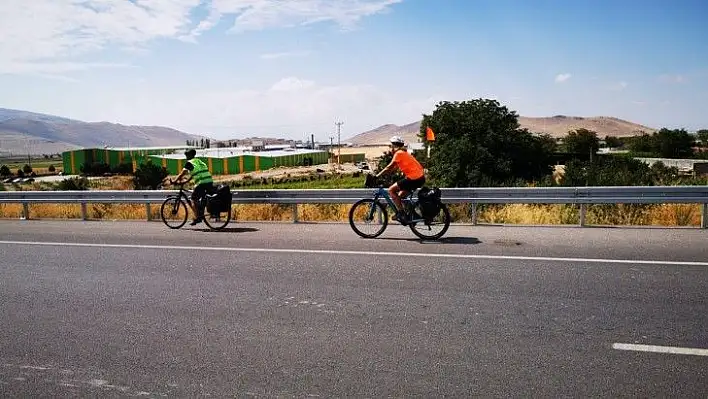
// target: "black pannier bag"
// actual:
[[429, 200], [222, 201]]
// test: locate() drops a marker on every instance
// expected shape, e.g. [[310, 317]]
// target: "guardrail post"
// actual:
[[84, 214], [25, 211], [583, 211], [704, 216], [294, 213], [473, 213], [148, 211]]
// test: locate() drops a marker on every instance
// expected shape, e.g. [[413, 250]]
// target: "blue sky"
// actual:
[[239, 68]]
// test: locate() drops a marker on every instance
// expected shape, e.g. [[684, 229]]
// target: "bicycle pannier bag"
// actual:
[[222, 201], [429, 200]]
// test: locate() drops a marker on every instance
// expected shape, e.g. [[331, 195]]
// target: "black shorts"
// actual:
[[409, 185], [201, 190]]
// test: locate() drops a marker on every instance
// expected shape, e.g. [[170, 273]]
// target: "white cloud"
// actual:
[[619, 86], [47, 31], [291, 84], [672, 78], [262, 14], [286, 54], [560, 78], [288, 107]]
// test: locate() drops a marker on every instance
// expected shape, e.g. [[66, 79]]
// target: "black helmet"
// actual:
[[190, 153]]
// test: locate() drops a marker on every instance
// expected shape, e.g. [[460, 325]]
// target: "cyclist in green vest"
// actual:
[[203, 183]]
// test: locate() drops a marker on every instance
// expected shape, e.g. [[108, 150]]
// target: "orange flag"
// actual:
[[429, 134]]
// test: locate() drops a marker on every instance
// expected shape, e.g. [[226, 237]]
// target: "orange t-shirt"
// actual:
[[410, 166]]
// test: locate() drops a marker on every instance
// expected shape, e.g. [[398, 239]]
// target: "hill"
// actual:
[[556, 126], [23, 131]]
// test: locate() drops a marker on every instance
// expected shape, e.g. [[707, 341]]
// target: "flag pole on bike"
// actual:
[[429, 136]]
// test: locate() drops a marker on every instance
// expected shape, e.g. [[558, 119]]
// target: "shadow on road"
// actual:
[[459, 240], [444, 240], [231, 230]]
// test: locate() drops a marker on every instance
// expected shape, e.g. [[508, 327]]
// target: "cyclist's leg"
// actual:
[[394, 191], [197, 194], [397, 191]]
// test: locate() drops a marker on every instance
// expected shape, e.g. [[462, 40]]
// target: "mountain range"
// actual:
[[557, 126], [22, 132]]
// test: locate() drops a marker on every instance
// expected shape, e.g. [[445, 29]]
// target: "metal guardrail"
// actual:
[[581, 196]]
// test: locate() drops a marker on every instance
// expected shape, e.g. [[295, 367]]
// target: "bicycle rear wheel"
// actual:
[[440, 223], [217, 220], [368, 210], [173, 212]]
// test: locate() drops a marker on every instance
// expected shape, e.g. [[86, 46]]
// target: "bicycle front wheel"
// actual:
[[373, 216], [173, 212]]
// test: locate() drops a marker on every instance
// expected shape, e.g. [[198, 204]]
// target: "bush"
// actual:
[[27, 169], [74, 184], [608, 171], [5, 171], [123, 169], [95, 168], [149, 176], [51, 169]]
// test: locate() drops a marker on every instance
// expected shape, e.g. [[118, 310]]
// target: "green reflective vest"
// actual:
[[200, 172]]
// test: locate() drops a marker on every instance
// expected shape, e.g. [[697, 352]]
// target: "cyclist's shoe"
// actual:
[[401, 217], [196, 221]]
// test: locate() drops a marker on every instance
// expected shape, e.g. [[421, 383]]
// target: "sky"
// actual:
[[291, 68]]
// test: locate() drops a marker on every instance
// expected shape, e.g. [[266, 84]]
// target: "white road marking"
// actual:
[[661, 349], [360, 253]]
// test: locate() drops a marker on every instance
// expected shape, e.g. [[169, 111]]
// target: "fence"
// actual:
[[581, 196]]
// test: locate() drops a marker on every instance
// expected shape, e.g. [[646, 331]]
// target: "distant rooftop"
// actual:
[[176, 147], [237, 151]]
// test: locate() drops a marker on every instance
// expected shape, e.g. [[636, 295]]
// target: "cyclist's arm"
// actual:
[[388, 167], [184, 171]]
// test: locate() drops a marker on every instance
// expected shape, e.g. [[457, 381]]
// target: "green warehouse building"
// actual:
[[133, 156], [221, 161]]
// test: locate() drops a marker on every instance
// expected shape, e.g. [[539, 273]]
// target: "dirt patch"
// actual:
[[292, 171]]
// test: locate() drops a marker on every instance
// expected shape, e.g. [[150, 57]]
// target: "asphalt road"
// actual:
[[282, 310]]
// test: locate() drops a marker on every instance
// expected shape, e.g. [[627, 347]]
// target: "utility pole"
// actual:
[[339, 142]]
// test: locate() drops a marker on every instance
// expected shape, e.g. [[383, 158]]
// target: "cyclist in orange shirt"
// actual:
[[414, 175]]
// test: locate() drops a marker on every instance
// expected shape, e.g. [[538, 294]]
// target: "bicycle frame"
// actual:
[[383, 193]]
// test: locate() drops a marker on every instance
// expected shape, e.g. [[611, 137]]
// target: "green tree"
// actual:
[[149, 176], [27, 169], [581, 141], [479, 143], [703, 137], [676, 143], [613, 142], [641, 143], [5, 171]]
